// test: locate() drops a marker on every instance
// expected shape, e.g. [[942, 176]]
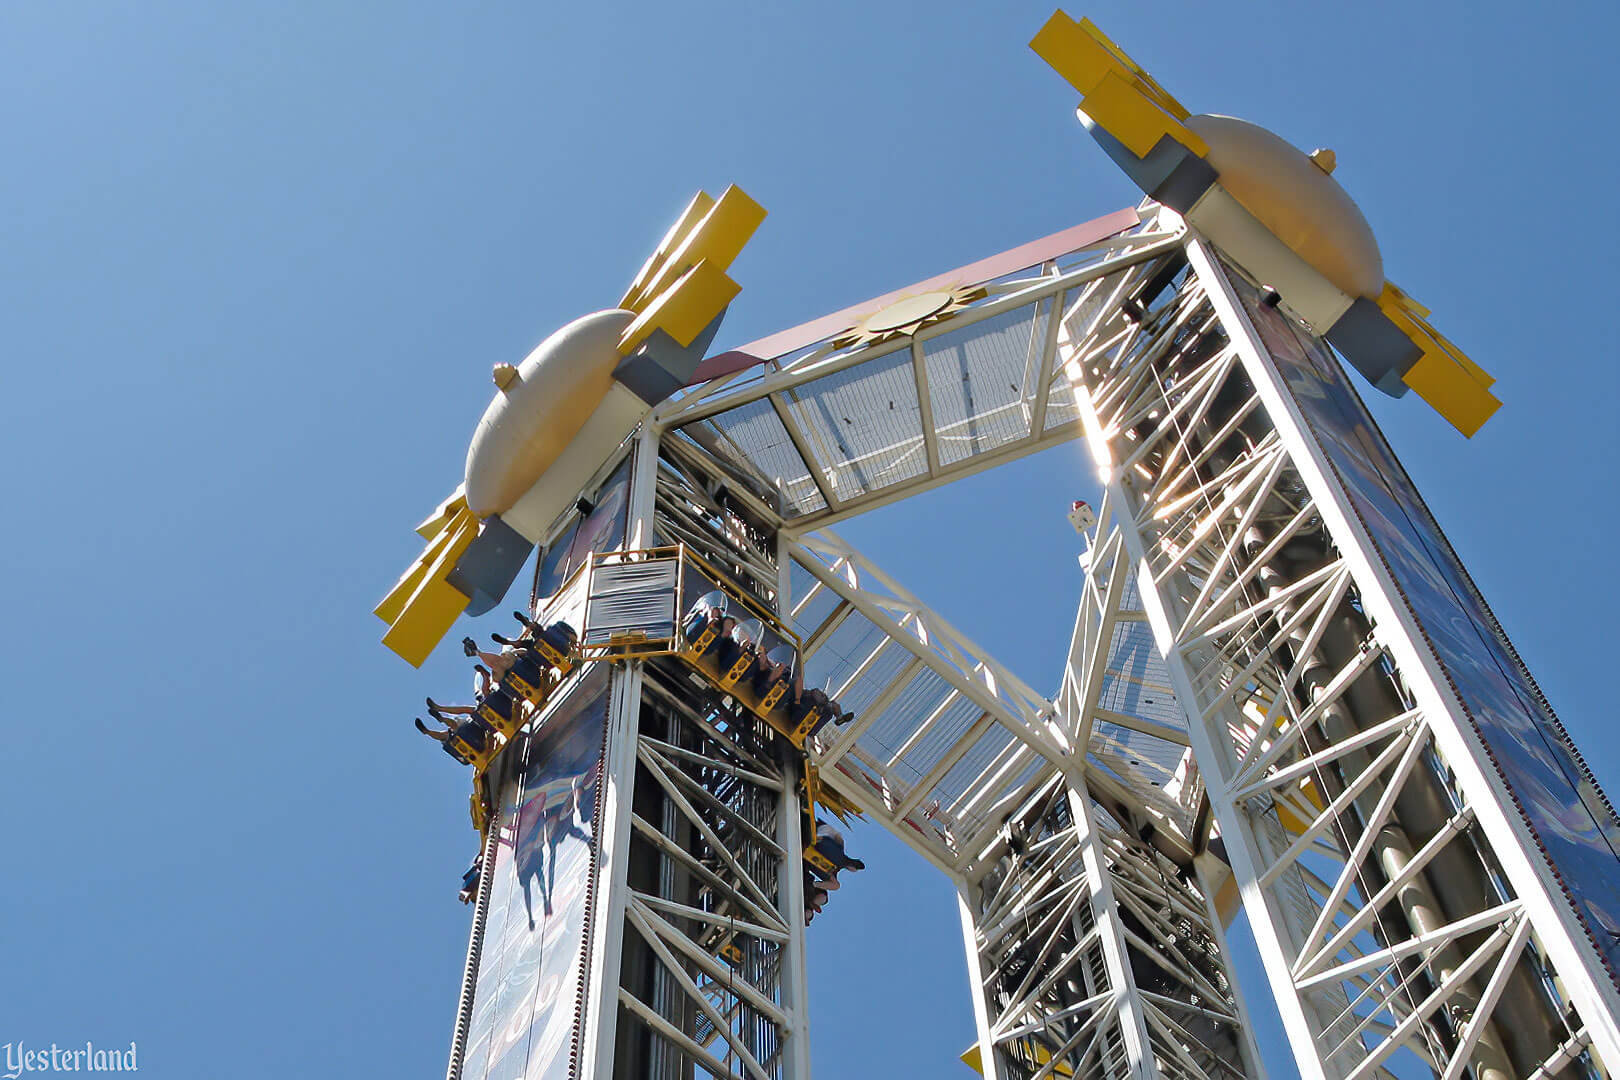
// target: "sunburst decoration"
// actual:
[[907, 315]]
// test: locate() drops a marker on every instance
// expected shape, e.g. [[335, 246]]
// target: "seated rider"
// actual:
[[440, 712], [818, 699], [485, 690], [814, 900], [469, 879], [483, 681], [780, 663], [816, 894], [743, 640], [559, 635], [499, 663], [711, 607], [830, 843], [474, 732]]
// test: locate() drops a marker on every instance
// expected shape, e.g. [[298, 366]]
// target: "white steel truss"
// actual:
[[947, 745], [1094, 954], [712, 984], [1393, 907], [1047, 955], [946, 741], [698, 953]]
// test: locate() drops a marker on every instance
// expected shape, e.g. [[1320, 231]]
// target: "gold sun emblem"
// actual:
[[907, 315]]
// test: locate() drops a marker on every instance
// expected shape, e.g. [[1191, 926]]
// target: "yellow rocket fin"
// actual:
[[1395, 297], [1120, 108], [423, 605], [636, 297], [1394, 294], [1455, 396], [1115, 92], [716, 239], [1444, 376], [436, 521], [425, 621], [1148, 83], [391, 605], [1079, 57], [684, 309], [437, 531]]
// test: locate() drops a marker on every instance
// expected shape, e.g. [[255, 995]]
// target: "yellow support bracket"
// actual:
[[825, 797], [1041, 1056]]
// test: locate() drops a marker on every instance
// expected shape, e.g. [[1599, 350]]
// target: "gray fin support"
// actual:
[[1374, 345], [1170, 175], [490, 564], [661, 365]]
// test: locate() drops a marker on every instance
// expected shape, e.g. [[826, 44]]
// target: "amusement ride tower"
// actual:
[[1283, 690]]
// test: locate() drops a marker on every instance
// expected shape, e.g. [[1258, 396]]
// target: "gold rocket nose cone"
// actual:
[[1293, 195]]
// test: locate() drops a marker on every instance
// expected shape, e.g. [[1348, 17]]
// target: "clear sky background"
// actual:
[[257, 260]]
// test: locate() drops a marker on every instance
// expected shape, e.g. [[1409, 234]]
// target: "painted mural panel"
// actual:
[[601, 530], [526, 1001], [1571, 818]]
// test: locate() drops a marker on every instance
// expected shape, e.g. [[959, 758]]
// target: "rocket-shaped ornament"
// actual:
[[1274, 210], [558, 415]]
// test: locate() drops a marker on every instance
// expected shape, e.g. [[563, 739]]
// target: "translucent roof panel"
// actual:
[[862, 424], [832, 665], [923, 693], [830, 409], [967, 775], [942, 734], [1136, 684], [752, 438], [1060, 406], [1135, 681], [981, 380]]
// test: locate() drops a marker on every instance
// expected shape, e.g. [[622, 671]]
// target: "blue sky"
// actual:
[[257, 261]]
